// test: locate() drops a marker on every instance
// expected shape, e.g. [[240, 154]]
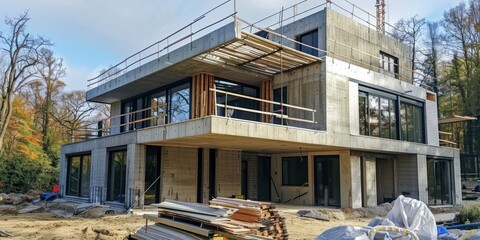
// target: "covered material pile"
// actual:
[[231, 218]]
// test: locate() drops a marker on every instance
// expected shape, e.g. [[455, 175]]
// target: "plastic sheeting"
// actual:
[[415, 216], [344, 233]]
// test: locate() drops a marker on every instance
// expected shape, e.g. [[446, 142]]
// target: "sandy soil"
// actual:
[[46, 225]]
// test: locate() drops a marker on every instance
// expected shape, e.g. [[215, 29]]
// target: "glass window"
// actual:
[[389, 63], [179, 103], [78, 182], [243, 89], [440, 183], [411, 117], [309, 39], [117, 167], [127, 117], [374, 106], [363, 110], [159, 106], [280, 95], [385, 118], [393, 118], [294, 171]]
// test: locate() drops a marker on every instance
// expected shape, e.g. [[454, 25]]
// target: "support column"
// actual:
[[345, 180], [98, 176], [457, 178], [135, 175], [356, 199], [422, 178], [202, 98], [266, 93], [370, 181]]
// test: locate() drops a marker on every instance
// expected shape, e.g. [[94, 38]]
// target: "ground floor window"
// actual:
[[78, 172], [117, 168], [294, 171], [440, 183]]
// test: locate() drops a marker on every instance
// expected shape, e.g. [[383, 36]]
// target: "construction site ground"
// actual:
[[47, 225]]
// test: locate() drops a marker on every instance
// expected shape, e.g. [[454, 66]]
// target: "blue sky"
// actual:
[[91, 35]]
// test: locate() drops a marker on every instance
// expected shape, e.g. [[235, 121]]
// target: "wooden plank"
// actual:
[[180, 225]]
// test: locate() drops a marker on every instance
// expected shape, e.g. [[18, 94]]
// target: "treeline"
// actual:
[[37, 115], [446, 60]]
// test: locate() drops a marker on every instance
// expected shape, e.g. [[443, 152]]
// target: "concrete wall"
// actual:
[[179, 169], [115, 110], [229, 166], [431, 121], [305, 88], [345, 33], [407, 174], [251, 158]]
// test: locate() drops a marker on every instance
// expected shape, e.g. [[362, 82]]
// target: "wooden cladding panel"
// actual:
[[202, 97], [266, 94]]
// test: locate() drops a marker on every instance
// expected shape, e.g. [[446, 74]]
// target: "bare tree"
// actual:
[[20, 53], [409, 31], [74, 114]]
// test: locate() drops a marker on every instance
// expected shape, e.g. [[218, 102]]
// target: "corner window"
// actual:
[[389, 63], [280, 95], [78, 174], [379, 116], [294, 171], [309, 39], [440, 181]]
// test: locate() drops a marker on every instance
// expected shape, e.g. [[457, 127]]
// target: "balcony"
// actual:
[[269, 112]]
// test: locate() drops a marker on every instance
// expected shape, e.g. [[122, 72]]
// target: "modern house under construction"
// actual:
[[317, 110]]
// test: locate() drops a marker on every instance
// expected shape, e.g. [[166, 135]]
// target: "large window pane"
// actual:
[[294, 171], [403, 121], [309, 39], [232, 87], [410, 125], [418, 121], [374, 105], [117, 176], [393, 118], [85, 186], [363, 117], [179, 103], [384, 118], [158, 105], [74, 176]]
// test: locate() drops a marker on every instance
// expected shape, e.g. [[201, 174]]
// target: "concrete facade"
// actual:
[[370, 169]]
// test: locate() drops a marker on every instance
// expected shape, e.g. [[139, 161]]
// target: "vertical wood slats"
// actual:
[[202, 97], [266, 93]]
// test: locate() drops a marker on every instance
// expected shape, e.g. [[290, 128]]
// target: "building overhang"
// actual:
[[227, 52]]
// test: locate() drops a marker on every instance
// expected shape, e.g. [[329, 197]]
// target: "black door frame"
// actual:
[[315, 182]]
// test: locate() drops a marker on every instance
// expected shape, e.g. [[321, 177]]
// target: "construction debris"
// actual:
[[232, 218], [4, 234]]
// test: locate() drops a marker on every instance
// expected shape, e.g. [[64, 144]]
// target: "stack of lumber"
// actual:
[[255, 212], [232, 218]]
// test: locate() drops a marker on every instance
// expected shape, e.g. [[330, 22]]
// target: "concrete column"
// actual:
[[345, 180], [422, 178], [353, 108], [356, 200], [370, 181], [115, 110], [135, 183], [63, 173], [99, 175], [457, 178]]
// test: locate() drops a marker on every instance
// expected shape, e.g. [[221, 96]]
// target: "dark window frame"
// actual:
[[80, 174], [305, 49], [303, 174], [242, 87], [146, 97], [109, 174], [387, 64], [399, 101]]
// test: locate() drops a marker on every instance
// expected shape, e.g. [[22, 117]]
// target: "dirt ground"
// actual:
[[47, 225]]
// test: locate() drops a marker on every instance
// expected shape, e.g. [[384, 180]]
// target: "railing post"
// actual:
[[226, 101], [215, 102]]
